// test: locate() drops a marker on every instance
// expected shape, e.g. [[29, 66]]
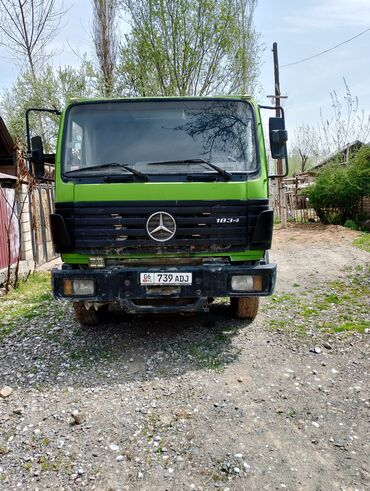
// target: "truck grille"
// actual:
[[120, 227]]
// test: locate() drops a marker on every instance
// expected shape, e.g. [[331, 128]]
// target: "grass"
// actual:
[[27, 301], [351, 326], [337, 307], [363, 242], [23, 300], [212, 353]]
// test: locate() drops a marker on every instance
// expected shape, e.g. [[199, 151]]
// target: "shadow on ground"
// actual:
[[46, 352]]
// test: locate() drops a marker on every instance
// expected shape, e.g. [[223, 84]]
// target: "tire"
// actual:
[[86, 317], [244, 307]]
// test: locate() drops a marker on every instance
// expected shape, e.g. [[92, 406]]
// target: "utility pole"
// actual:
[[279, 163]]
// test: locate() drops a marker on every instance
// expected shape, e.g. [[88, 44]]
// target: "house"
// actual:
[[341, 155], [25, 205]]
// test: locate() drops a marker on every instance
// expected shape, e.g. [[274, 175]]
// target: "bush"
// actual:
[[351, 224], [339, 188]]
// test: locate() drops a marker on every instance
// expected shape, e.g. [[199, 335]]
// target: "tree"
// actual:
[[105, 40], [27, 26], [346, 124], [188, 47], [53, 88], [246, 60], [305, 144], [338, 190]]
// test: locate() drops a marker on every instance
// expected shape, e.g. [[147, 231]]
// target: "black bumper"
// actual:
[[122, 285]]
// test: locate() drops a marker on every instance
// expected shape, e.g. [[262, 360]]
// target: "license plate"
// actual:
[[166, 278]]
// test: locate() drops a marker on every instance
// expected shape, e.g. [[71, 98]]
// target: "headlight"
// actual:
[[78, 287], [246, 283]]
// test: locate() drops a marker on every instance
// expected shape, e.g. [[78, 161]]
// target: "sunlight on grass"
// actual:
[[363, 242], [335, 307], [25, 301]]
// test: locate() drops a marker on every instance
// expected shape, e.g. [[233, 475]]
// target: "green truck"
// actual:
[[161, 204]]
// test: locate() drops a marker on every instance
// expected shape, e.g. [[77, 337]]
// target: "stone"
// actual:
[[114, 447], [6, 392], [316, 350], [119, 458], [76, 415], [327, 345]]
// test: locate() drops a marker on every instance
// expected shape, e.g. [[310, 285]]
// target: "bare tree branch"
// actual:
[[27, 26]]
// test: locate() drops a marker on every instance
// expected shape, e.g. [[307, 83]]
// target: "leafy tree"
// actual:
[[189, 47], [53, 89], [339, 189]]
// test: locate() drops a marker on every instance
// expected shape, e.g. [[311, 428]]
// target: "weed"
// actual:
[[210, 353], [27, 301], [45, 465], [309, 312], [363, 242], [279, 323], [341, 306], [351, 326], [351, 224]]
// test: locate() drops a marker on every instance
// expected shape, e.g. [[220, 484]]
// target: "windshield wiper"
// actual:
[[110, 164], [224, 173]]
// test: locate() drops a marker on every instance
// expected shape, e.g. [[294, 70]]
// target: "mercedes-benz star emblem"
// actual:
[[161, 226]]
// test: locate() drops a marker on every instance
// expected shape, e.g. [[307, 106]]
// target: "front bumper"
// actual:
[[121, 285]]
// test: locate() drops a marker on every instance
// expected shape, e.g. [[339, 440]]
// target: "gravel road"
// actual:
[[199, 402]]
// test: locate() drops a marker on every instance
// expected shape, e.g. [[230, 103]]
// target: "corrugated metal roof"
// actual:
[[7, 177], [342, 151], [6, 141]]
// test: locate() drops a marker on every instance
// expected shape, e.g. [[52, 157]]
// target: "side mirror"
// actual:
[[278, 138], [37, 156]]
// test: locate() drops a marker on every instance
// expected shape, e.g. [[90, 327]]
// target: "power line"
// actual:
[[326, 51]]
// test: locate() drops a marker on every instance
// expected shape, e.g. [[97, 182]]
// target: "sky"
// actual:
[[301, 29], [304, 28]]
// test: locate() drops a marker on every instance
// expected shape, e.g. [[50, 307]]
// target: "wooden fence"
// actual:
[[295, 205]]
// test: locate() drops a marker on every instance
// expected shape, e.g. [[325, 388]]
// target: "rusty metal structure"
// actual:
[[25, 205]]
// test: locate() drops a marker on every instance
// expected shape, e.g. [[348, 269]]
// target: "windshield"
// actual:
[[159, 137]]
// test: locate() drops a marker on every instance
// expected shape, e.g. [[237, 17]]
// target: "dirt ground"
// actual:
[[202, 402]]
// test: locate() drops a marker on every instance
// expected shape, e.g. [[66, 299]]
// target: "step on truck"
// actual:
[[161, 204]]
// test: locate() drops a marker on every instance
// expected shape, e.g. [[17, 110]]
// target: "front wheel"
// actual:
[[86, 317], [244, 307]]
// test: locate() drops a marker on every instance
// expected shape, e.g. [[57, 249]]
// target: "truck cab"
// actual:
[[161, 205]]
